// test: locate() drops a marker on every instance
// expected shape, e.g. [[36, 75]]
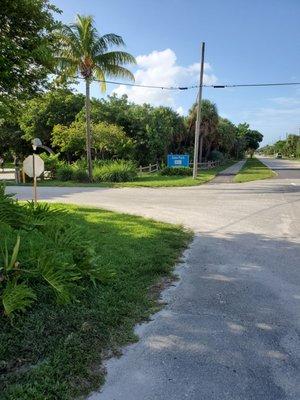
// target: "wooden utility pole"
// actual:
[[198, 120]]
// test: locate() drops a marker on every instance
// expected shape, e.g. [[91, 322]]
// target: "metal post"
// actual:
[[198, 121], [34, 180]]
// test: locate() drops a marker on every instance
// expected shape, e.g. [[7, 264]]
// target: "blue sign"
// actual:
[[178, 160]]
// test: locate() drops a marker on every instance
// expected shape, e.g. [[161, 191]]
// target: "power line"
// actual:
[[181, 88]]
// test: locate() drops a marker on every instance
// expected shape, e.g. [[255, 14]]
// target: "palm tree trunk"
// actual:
[[88, 129]]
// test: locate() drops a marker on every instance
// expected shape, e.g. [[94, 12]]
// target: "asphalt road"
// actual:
[[285, 169], [231, 329]]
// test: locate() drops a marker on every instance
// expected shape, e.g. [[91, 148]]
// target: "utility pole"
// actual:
[[198, 120]]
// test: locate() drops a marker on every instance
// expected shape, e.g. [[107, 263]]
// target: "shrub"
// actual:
[[42, 253], [64, 172], [216, 155], [115, 171], [181, 171], [80, 175], [52, 163]]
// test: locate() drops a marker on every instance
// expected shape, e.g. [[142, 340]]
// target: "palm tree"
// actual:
[[209, 123], [83, 52]]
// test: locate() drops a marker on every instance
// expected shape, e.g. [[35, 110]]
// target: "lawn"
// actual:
[[146, 180], [55, 351], [253, 170]]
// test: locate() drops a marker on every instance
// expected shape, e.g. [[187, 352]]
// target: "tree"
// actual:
[[208, 127], [109, 140], [227, 135], [83, 51], [11, 140], [41, 113], [250, 138], [154, 130], [27, 43], [253, 138]]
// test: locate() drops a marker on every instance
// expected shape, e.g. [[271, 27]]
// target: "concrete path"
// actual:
[[229, 173], [231, 330]]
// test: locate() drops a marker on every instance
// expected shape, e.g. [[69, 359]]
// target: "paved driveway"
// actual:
[[231, 327]]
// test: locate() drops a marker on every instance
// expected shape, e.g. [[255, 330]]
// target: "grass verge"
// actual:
[[253, 170], [146, 180], [54, 351]]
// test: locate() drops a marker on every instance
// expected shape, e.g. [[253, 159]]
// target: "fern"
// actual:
[[17, 297], [61, 279]]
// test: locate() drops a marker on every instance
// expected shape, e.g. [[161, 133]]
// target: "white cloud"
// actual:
[[160, 68], [180, 110], [286, 101]]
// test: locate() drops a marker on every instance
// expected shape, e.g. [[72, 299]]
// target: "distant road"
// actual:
[[286, 169]]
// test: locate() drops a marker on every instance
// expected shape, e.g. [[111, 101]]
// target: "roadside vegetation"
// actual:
[[74, 281], [125, 174], [289, 148], [253, 170]]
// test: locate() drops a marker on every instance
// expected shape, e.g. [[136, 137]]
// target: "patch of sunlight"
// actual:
[[265, 327], [219, 277], [235, 328], [171, 341], [276, 354]]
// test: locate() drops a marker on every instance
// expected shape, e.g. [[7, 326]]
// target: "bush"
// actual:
[[64, 172], [80, 175], [52, 163], [44, 255], [216, 155], [181, 171], [115, 171]]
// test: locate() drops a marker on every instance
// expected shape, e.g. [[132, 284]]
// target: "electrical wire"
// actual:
[[181, 88]]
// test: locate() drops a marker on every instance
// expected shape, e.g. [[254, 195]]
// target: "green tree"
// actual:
[[208, 127], [227, 135], [109, 140], [154, 130], [27, 43], [83, 51], [41, 113]]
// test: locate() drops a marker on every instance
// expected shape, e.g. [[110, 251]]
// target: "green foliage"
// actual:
[[83, 51], [216, 155], [27, 44], [41, 252], [183, 171], [40, 114], [80, 175], [64, 172], [116, 171], [52, 162], [252, 170], [17, 297], [288, 148], [50, 351], [109, 140], [154, 131]]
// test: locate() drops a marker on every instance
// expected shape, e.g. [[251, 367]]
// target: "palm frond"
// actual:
[[113, 70], [17, 297], [115, 57]]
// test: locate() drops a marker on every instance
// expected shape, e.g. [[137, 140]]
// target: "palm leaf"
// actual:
[[17, 297]]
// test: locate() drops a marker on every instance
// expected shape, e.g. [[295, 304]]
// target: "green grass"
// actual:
[[54, 351], [146, 180], [253, 170]]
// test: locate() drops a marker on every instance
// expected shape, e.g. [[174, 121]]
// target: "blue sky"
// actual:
[[246, 42]]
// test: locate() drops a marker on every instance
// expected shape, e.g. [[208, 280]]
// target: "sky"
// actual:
[[255, 41]]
